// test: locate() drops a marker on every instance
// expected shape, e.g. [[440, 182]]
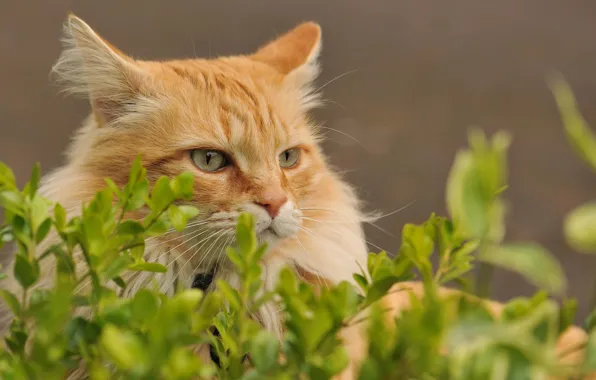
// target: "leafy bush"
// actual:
[[58, 330]]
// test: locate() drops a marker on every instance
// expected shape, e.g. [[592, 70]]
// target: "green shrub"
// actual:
[[151, 336]]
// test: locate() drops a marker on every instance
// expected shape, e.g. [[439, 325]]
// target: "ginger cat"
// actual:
[[241, 125]]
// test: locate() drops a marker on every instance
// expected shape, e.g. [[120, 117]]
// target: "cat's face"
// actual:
[[238, 123]]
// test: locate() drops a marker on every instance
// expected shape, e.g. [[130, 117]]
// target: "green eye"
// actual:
[[289, 158], [209, 160]]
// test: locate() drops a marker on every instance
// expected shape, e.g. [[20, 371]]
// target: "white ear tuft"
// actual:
[[91, 67]]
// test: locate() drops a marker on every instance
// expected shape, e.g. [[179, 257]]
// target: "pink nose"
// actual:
[[272, 201]]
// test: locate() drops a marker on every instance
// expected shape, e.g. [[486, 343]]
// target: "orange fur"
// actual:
[[252, 107]]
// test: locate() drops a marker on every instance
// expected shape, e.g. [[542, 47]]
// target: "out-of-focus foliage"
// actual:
[[57, 330]]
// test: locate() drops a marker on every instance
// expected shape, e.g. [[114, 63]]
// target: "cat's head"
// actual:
[[238, 123]]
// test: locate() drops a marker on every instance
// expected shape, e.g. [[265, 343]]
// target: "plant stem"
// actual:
[[124, 205], [485, 272], [484, 279], [24, 302], [443, 264], [593, 298]]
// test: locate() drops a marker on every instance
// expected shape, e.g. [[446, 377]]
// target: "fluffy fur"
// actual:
[[252, 107]]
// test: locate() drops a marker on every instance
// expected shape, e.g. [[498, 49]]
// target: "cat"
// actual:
[[241, 124]]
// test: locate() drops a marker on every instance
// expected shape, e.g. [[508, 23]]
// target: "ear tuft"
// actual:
[[90, 66]]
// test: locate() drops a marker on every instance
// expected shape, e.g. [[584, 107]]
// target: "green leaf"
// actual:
[[21, 230], [578, 133], [25, 272], [81, 330], [235, 258], [477, 178], [98, 371], [120, 282], [159, 227], [361, 281], [530, 260], [34, 181], [590, 321], [137, 251], [264, 351], [148, 267], [419, 240], [6, 235], [162, 194], [337, 361], [144, 304], [39, 212], [245, 234], [178, 217], [567, 314], [12, 201], [7, 178], [210, 306], [38, 301], [580, 228], [116, 267], [138, 196], [464, 202], [124, 348], [43, 230], [589, 363], [59, 216], [17, 338], [230, 294], [182, 364], [11, 301], [186, 301], [379, 289], [183, 185], [287, 282], [319, 325], [112, 186], [130, 227], [95, 237], [380, 266], [136, 170]]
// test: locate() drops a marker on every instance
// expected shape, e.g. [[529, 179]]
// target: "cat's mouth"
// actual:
[[270, 231]]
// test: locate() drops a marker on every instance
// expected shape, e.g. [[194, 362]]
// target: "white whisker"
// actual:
[[172, 230], [337, 234], [199, 242], [333, 80], [220, 234], [195, 235], [350, 220], [395, 211], [345, 134]]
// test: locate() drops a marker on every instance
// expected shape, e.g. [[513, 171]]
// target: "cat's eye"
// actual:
[[209, 160], [289, 158]]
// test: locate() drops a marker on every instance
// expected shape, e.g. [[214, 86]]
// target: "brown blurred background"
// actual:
[[424, 72]]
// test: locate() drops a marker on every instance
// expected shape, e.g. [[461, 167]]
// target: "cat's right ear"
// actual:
[[295, 55], [91, 67]]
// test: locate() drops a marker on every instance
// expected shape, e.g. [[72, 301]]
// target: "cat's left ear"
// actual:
[[90, 66], [294, 54]]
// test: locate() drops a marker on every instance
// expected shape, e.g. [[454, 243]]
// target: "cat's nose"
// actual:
[[272, 201]]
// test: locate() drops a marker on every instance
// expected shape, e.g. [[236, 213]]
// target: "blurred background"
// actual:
[[408, 79]]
